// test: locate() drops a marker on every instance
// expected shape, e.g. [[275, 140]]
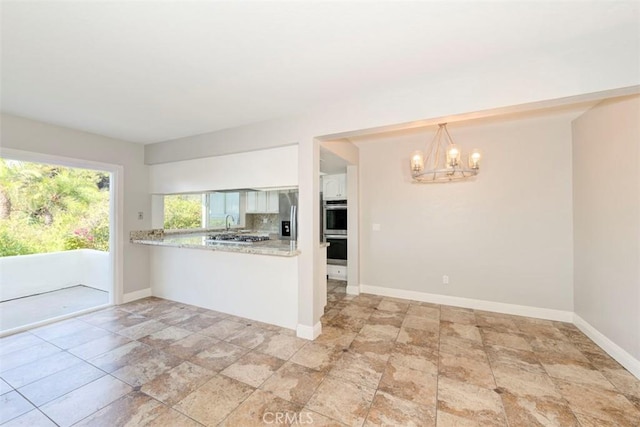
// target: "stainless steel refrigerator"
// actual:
[[288, 214]]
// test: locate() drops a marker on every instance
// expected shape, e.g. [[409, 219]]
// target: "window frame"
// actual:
[[206, 206]]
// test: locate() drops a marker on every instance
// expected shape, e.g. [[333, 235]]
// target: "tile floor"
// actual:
[[36, 308], [379, 361]]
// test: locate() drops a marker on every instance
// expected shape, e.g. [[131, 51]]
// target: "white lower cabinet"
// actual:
[[337, 272]]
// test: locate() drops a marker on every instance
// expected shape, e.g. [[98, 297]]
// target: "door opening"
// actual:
[[57, 239]]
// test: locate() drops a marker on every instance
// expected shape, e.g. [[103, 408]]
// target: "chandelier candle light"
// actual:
[[442, 162]]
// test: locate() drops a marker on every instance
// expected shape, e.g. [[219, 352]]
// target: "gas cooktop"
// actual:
[[236, 238]]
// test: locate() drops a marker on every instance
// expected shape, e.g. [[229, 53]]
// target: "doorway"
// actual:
[[340, 217], [57, 239]]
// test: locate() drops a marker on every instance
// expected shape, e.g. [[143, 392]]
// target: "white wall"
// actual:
[[258, 287], [321, 291], [26, 275], [606, 195], [353, 229], [506, 237], [309, 284], [275, 167], [27, 135], [95, 267]]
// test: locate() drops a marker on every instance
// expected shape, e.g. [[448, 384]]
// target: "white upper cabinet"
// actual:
[[252, 201], [273, 201], [262, 202], [334, 187]]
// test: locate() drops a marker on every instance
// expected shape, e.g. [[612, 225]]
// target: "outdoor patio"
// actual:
[[36, 308], [39, 287]]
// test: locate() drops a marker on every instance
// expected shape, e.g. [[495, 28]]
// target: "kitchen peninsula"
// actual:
[[199, 239], [257, 280], [260, 283]]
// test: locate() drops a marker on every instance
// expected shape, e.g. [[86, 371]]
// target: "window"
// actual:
[[219, 205], [182, 211], [202, 210]]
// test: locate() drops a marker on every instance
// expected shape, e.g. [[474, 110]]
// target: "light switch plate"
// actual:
[[376, 227]]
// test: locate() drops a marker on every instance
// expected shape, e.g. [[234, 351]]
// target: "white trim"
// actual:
[[353, 290], [614, 350], [309, 332], [498, 307], [117, 241], [33, 156], [53, 320], [132, 296]]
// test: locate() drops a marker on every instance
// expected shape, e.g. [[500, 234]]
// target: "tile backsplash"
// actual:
[[262, 222]]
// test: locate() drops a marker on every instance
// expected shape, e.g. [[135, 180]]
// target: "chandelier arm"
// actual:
[[436, 139], [448, 136], [429, 152]]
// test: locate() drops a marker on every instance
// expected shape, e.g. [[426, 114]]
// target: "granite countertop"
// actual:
[[196, 240]]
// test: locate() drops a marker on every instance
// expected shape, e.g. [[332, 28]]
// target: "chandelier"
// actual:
[[442, 163]]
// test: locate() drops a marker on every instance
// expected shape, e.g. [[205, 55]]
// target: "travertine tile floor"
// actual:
[[379, 361]]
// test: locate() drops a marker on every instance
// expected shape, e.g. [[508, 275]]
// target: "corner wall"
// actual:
[[606, 197], [19, 133], [505, 238]]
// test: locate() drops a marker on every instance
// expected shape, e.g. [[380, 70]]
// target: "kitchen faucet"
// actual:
[[226, 221]]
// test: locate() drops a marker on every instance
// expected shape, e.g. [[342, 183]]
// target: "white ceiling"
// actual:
[[152, 71]]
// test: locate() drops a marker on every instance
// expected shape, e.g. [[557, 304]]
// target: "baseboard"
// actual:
[[498, 307], [614, 350], [132, 296], [309, 332], [353, 290]]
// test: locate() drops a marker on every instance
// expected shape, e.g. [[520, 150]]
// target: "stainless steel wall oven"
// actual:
[[335, 217], [337, 250]]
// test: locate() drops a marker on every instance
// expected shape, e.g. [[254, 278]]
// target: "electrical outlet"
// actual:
[[445, 280], [140, 215], [375, 227]]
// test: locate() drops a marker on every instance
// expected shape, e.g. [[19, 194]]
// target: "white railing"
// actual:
[[26, 275]]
